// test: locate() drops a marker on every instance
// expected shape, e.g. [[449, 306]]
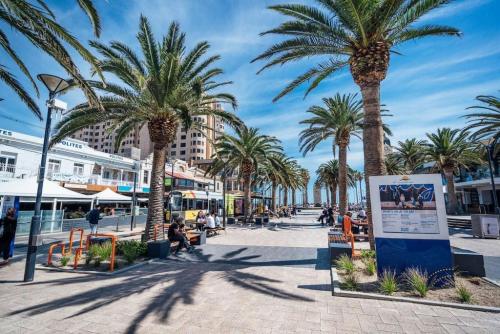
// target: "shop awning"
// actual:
[[28, 188], [108, 195]]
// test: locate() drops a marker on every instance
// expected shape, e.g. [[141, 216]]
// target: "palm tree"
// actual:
[[165, 87], [37, 23], [411, 153], [340, 119], [393, 165], [248, 152], [450, 150], [486, 121], [328, 175], [359, 34]]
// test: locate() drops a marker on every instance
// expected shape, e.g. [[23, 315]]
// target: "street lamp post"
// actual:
[[490, 148], [55, 85], [134, 200]]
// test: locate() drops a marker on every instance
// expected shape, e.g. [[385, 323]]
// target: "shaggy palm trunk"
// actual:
[[161, 131], [156, 191], [373, 145], [248, 196], [327, 196], [450, 189], [285, 196], [342, 178], [293, 196], [273, 197]]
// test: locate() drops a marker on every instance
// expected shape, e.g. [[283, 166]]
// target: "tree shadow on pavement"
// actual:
[[176, 282]]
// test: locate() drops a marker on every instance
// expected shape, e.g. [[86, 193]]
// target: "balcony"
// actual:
[[479, 174]]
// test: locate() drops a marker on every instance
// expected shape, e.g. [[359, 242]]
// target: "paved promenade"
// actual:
[[249, 280]]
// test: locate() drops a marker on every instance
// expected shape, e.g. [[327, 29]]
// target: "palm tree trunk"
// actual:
[[342, 178], [293, 196], [333, 191], [373, 144], [273, 197], [156, 191], [285, 196], [327, 196], [248, 196], [450, 189]]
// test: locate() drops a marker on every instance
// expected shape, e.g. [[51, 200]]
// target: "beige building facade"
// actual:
[[190, 145]]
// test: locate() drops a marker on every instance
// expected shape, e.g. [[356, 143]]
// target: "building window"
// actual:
[[7, 164], [78, 169], [183, 144], [174, 145], [183, 136], [146, 177], [183, 152], [54, 166], [172, 153]]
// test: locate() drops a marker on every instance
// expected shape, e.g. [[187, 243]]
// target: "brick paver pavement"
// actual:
[[233, 285]]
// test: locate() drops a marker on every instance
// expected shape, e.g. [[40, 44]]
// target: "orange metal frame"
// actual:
[[63, 247], [156, 227], [113, 237]]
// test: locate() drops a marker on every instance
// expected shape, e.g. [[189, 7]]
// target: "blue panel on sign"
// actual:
[[433, 256]]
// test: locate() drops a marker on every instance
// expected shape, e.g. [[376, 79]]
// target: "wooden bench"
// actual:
[[338, 245]]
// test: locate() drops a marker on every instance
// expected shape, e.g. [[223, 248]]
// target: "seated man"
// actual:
[[175, 234], [210, 221], [362, 214]]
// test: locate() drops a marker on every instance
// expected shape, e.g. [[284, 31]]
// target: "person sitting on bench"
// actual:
[[210, 221], [175, 234], [362, 214], [217, 220], [348, 228]]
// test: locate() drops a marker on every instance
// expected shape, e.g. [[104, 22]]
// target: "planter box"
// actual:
[[230, 220], [468, 262], [159, 249], [338, 249]]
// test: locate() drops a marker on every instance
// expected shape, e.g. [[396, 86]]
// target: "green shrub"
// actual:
[[370, 267], [346, 264], [418, 281], [367, 254], [388, 283], [141, 247], [65, 260], [99, 253], [463, 293], [130, 252], [351, 282]]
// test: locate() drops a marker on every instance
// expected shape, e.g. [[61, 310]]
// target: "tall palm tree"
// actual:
[[247, 151], [393, 165], [164, 87], [411, 153], [35, 21], [341, 118], [486, 121], [359, 34], [451, 149]]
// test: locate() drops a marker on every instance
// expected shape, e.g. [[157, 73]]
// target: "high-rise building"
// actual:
[[189, 144], [317, 195]]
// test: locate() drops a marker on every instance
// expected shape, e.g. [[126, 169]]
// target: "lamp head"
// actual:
[[53, 83]]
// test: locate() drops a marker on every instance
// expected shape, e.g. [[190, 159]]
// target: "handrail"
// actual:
[[87, 244]]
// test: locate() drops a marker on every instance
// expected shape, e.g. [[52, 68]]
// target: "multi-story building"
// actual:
[[189, 144]]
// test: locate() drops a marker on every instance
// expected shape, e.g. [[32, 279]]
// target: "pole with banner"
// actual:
[[410, 225]]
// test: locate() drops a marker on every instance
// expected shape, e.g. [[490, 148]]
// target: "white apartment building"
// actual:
[[72, 162]]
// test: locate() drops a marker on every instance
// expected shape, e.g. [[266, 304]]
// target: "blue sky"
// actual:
[[428, 87]]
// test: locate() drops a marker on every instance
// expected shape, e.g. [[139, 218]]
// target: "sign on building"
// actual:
[[410, 224]]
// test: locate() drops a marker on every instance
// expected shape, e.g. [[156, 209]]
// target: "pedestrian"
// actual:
[[330, 216], [8, 226], [93, 217]]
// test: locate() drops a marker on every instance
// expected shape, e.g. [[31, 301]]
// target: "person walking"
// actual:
[[93, 217], [8, 225]]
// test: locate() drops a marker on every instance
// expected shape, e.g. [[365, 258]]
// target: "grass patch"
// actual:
[[388, 283], [345, 264], [418, 281]]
